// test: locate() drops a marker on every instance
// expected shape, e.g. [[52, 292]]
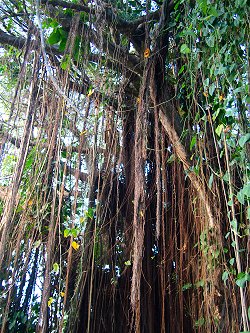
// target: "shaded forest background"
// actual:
[[124, 158]]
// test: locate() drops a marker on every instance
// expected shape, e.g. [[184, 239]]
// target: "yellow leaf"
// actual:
[[147, 53], [30, 202], [50, 301], [205, 94], [141, 213], [91, 91], [82, 219], [83, 132], [181, 112], [221, 98], [75, 245], [62, 293]]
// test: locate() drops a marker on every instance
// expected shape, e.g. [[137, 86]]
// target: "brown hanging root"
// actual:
[[12, 197], [50, 245], [139, 208], [157, 160], [181, 154]]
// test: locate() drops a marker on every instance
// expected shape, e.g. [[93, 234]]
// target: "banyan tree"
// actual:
[[124, 166]]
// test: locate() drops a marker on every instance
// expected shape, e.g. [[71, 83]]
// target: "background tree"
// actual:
[[124, 166]]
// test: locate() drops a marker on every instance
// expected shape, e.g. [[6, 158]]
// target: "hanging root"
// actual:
[[181, 153]]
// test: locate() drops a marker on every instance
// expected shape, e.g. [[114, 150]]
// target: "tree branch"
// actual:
[[65, 4], [19, 43], [112, 18], [7, 39]]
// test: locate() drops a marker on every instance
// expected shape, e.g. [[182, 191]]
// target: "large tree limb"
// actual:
[[65, 4], [19, 42], [134, 29], [112, 18], [7, 39]]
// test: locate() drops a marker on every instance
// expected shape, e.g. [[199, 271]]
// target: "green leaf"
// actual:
[[75, 232], [65, 62], [185, 49], [90, 212], [216, 113], [241, 197], [12, 324], [200, 283], [63, 33], [189, 33], [56, 267], [187, 286], [54, 37], [226, 177], [248, 312], [124, 40], [30, 159], [206, 83], [213, 11], [210, 182], [231, 261], [242, 278], [212, 89], [37, 243], [210, 41], [128, 263], [244, 139], [239, 90], [240, 3], [193, 142], [234, 225], [64, 154], [200, 322], [246, 190], [225, 276], [49, 23], [219, 129], [241, 283], [181, 70], [203, 5], [66, 233], [171, 158], [62, 45]]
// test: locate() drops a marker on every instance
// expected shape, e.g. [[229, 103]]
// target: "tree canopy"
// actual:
[[124, 158]]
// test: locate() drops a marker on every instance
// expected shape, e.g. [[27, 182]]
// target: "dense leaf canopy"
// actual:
[[124, 166]]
